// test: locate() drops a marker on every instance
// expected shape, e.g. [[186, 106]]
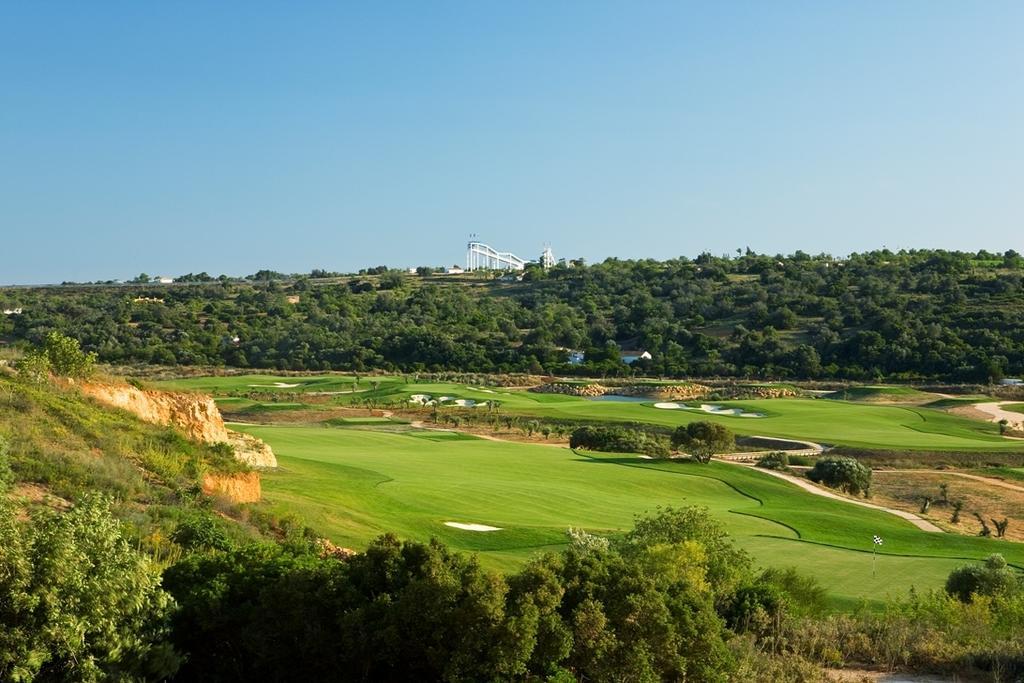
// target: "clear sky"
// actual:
[[170, 137]]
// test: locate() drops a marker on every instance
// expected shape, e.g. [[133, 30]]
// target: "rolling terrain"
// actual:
[[833, 422], [353, 484]]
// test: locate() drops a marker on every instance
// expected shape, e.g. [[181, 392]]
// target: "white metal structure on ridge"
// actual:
[[480, 256], [547, 259]]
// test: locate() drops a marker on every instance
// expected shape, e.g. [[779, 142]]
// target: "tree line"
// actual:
[[908, 315]]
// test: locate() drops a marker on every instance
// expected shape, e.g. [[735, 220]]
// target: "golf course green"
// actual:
[[833, 422], [354, 483]]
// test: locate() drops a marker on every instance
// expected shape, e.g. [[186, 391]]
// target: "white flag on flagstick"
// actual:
[[878, 540]]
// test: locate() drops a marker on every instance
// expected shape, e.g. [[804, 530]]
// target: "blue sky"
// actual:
[[227, 137]]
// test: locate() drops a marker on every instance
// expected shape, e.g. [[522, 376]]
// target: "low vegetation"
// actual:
[[619, 440], [776, 460]]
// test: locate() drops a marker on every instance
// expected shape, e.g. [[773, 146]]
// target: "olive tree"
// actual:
[[702, 440], [845, 474]]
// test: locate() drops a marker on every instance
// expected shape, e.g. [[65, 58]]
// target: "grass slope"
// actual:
[[355, 484], [62, 445]]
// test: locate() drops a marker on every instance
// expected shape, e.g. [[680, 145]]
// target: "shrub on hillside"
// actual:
[[200, 531], [77, 602], [619, 440], [61, 355], [845, 474]]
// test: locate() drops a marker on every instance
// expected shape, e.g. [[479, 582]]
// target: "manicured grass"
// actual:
[[833, 422], [344, 421], [946, 403], [353, 484], [830, 422], [250, 383], [1015, 473], [1015, 407]]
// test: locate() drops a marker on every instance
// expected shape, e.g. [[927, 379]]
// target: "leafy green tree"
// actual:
[[77, 602], [725, 564], [703, 440], [845, 474], [993, 577], [34, 366], [66, 357]]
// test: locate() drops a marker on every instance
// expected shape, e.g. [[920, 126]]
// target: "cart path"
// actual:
[[917, 521]]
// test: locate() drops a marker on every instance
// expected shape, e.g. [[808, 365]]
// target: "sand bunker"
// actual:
[[472, 527], [428, 400], [275, 385], [709, 408]]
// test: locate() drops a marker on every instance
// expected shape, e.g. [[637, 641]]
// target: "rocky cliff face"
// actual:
[[194, 414], [243, 487], [252, 451]]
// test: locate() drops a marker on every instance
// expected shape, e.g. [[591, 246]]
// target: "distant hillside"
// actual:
[[933, 315]]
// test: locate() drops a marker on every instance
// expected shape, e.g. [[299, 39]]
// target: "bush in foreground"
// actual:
[[77, 603], [647, 607]]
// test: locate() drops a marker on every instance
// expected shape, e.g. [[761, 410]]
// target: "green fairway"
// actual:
[[826, 421], [833, 422], [249, 383], [353, 484], [1015, 407]]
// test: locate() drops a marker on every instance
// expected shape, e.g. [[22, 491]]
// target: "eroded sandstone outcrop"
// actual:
[[194, 414], [242, 487], [251, 450]]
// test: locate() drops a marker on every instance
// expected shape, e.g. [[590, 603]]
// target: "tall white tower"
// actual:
[[547, 258]]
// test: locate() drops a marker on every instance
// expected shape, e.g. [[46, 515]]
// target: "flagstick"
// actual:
[[873, 546]]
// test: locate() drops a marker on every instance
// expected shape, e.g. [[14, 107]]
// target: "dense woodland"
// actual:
[[933, 315]]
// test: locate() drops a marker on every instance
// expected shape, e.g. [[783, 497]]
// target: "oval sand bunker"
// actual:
[[710, 409], [472, 527]]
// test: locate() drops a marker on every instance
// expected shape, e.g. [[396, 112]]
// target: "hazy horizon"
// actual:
[[176, 139]]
